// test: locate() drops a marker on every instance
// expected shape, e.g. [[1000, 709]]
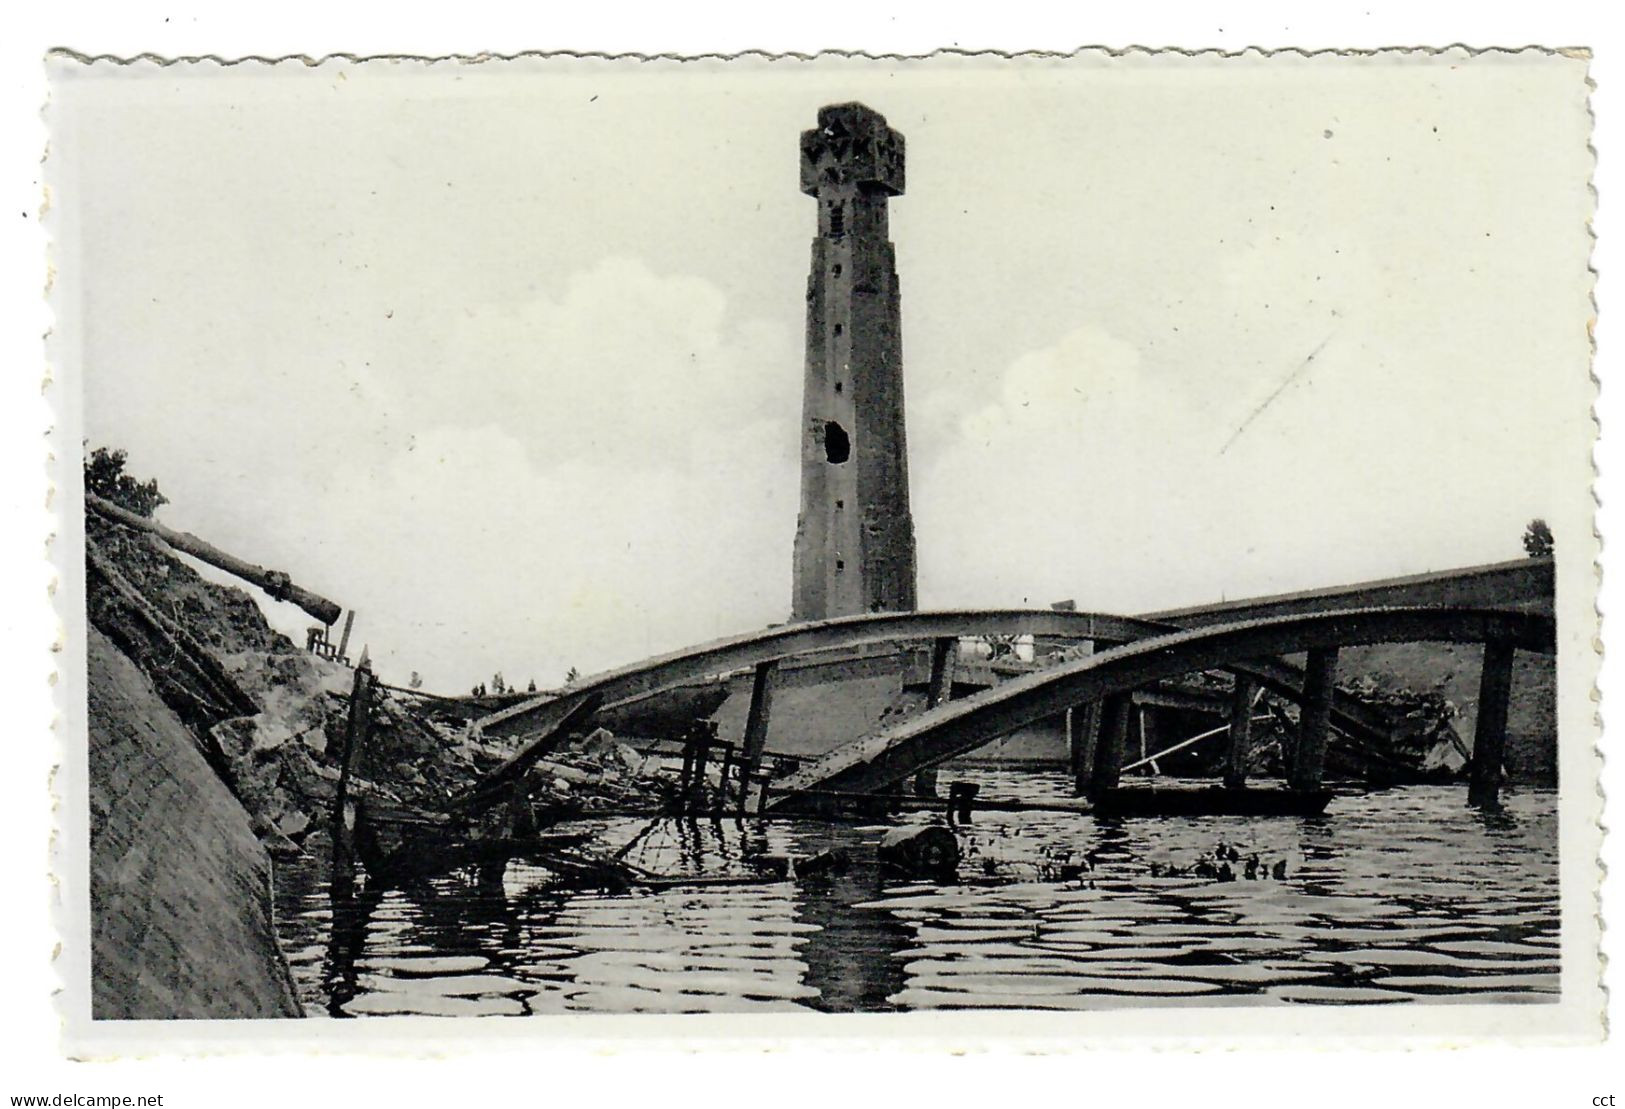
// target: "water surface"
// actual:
[[1403, 896]]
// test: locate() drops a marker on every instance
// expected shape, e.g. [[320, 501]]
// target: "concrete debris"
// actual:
[[927, 851], [596, 773], [282, 760]]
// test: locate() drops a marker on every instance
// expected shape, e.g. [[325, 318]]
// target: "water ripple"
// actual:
[[1403, 896]]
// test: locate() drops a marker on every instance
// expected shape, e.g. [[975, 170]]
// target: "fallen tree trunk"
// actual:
[[274, 582]]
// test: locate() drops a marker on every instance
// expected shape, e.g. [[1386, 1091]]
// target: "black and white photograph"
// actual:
[[1102, 541]]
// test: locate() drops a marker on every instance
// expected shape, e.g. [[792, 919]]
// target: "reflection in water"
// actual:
[[1401, 896], [347, 936], [852, 962]]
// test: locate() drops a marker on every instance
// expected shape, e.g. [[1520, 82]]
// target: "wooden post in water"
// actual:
[[720, 802], [757, 721], [1083, 733], [1490, 732], [355, 738], [1115, 716], [1241, 732], [685, 778], [1314, 719], [696, 784]]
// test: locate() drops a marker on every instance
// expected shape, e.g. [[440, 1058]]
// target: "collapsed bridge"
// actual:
[[1127, 654]]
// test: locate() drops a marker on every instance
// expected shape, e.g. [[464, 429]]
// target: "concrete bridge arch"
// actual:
[[541, 718], [878, 762]]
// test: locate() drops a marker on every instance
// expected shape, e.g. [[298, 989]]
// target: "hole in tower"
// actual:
[[837, 447]]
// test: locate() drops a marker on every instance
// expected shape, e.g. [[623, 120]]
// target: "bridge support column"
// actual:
[[1115, 716], [1146, 724], [1314, 719], [1241, 732], [1082, 734], [944, 657], [1490, 733], [757, 720]]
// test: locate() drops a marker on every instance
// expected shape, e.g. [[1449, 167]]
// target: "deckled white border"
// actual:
[[1030, 1031]]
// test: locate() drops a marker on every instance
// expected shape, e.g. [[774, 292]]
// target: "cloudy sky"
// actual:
[[507, 356]]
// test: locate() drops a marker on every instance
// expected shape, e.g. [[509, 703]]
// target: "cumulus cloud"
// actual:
[[483, 560], [624, 364], [1042, 458], [1099, 476], [600, 476]]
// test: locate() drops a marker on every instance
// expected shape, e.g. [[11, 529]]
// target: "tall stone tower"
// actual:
[[854, 539]]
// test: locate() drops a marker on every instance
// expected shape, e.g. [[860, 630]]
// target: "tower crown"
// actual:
[[851, 146]]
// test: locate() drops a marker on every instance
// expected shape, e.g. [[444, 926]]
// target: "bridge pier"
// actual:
[[1241, 732], [1115, 715], [1314, 719], [1146, 725], [1490, 732], [944, 657], [757, 720], [1082, 734]]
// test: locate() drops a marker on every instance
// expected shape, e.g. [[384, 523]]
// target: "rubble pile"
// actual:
[[1424, 729], [281, 760], [597, 773], [219, 617]]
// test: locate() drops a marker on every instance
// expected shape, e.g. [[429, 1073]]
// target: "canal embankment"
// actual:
[[180, 884]]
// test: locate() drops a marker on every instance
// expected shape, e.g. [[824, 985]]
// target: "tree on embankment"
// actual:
[[1537, 539], [105, 477]]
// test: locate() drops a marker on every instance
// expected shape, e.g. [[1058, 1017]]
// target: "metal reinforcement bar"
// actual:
[[877, 762], [1150, 760], [274, 582]]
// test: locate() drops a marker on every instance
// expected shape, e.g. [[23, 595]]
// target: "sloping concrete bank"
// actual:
[[180, 886]]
